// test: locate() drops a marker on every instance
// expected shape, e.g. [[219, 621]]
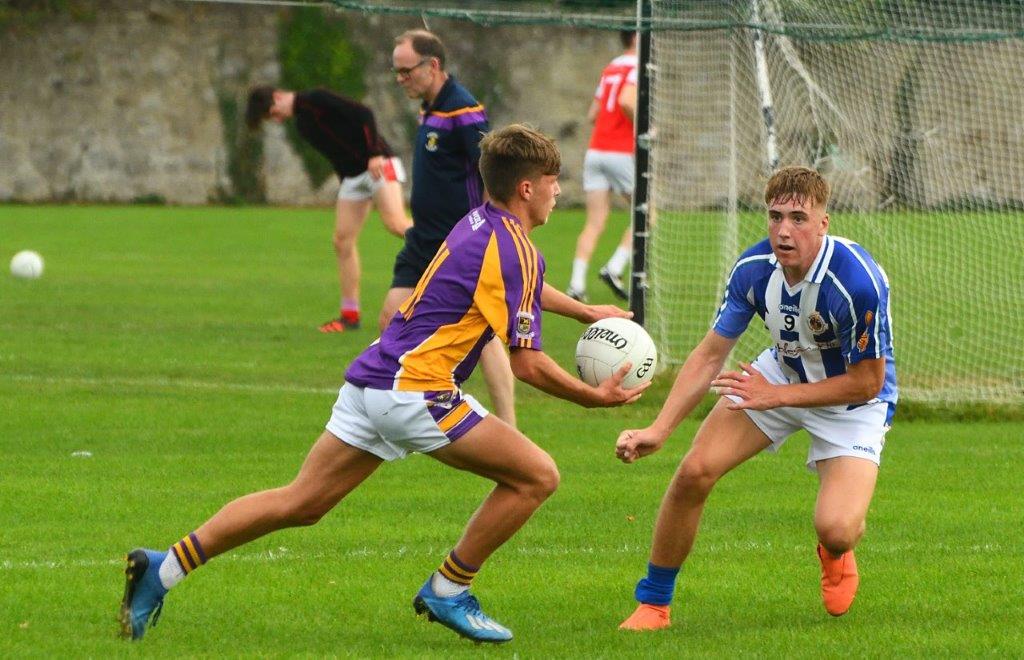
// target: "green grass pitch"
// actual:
[[179, 348]]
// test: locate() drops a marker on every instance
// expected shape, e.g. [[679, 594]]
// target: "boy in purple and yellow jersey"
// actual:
[[402, 395]]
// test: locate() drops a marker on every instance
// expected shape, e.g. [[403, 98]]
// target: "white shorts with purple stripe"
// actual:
[[391, 424]]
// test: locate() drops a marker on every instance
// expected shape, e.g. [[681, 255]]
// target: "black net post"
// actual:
[[641, 208]]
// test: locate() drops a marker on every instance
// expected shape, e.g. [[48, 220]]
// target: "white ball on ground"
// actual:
[[27, 265], [608, 344]]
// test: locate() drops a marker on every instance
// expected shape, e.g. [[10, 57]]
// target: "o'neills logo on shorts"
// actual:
[[606, 335]]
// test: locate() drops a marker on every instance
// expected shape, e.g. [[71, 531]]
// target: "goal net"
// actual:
[[913, 110]]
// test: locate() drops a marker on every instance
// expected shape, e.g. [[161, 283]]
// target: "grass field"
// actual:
[[179, 348]]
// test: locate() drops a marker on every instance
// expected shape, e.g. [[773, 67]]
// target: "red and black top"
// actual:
[[343, 130]]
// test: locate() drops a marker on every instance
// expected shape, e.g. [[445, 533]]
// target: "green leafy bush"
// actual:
[[314, 51]]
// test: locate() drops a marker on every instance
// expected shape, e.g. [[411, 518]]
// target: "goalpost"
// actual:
[[913, 110]]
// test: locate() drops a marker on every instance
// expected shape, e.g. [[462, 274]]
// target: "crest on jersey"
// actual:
[[432, 138], [869, 316], [816, 323], [524, 325], [862, 343]]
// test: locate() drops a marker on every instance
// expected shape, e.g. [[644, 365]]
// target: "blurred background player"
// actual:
[[446, 183], [607, 168], [831, 371], [402, 395], [345, 132]]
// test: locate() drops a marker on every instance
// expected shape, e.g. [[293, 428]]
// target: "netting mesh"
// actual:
[[598, 14], [913, 109], [922, 139]]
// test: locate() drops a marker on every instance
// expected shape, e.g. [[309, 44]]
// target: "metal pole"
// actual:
[[641, 194], [764, 88]]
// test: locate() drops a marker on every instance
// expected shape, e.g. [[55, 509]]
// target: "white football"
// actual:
[[608, 344], [27, 265]]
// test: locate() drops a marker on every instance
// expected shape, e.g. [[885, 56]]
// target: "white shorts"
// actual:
[[834, 430], [363, 186], [391, 424], [608, 170]]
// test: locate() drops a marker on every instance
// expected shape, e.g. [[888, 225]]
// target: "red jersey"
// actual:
[[613, 130]]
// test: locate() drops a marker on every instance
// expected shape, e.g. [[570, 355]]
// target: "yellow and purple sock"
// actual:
[[454, 576], [189, 553]]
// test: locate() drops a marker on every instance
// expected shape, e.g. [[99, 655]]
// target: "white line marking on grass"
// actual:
[[178, 383], [284, 554]]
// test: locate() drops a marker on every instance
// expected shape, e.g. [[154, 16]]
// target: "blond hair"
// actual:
[[797, 183], [514, 153]]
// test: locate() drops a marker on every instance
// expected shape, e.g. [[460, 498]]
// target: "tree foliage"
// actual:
[[315, 51]]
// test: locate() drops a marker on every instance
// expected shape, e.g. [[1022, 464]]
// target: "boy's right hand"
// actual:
[[611, 393]]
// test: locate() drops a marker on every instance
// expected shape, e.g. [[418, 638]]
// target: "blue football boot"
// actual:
[[143, 592], [461, 613]]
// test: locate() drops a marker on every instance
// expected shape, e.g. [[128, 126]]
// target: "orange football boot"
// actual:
[[647, 617], [839, 581], [349, 320]]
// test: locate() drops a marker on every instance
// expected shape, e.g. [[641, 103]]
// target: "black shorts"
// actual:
[[412, 260]]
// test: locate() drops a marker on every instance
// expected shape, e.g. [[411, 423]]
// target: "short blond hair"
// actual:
[[513, 154], [797, 183]]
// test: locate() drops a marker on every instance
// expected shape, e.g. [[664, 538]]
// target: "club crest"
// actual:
[[524, 325], [432, 138], [816, 323]]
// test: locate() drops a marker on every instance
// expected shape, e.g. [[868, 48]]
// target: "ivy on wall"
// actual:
[[33, 14], [244, 153], [314, 51]]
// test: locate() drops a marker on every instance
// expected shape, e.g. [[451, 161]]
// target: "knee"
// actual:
[[385, 318], [542, 482], [695, 478], [839, 534], [303, 510], [344, 243], [549, 480]]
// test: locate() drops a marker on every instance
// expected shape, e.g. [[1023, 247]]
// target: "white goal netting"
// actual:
[[913, 110]]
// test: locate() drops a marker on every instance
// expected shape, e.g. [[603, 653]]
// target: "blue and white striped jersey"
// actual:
[[837, 315]]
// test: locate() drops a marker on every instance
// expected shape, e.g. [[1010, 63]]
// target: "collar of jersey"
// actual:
[[816, 273], [445, 90], [494, 211]]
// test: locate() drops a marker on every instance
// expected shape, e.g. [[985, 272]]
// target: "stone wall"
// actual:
[[126, 104]]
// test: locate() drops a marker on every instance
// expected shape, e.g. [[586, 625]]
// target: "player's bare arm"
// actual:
[[861, 382], [627, 101], [592, 112], [554, 301], [540, 371], [692, 383]]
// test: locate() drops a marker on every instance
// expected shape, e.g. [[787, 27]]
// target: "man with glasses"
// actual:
[[446, 183]]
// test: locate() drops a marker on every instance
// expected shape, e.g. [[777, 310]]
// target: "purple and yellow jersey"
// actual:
[[485, 280]]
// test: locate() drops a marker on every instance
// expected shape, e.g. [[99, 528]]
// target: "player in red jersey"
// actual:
[[608, 167]]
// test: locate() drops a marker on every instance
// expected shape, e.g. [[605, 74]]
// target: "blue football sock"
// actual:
[[657, 587]]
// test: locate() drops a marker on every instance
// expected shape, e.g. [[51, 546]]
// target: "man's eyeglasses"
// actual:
[[405, 72]]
